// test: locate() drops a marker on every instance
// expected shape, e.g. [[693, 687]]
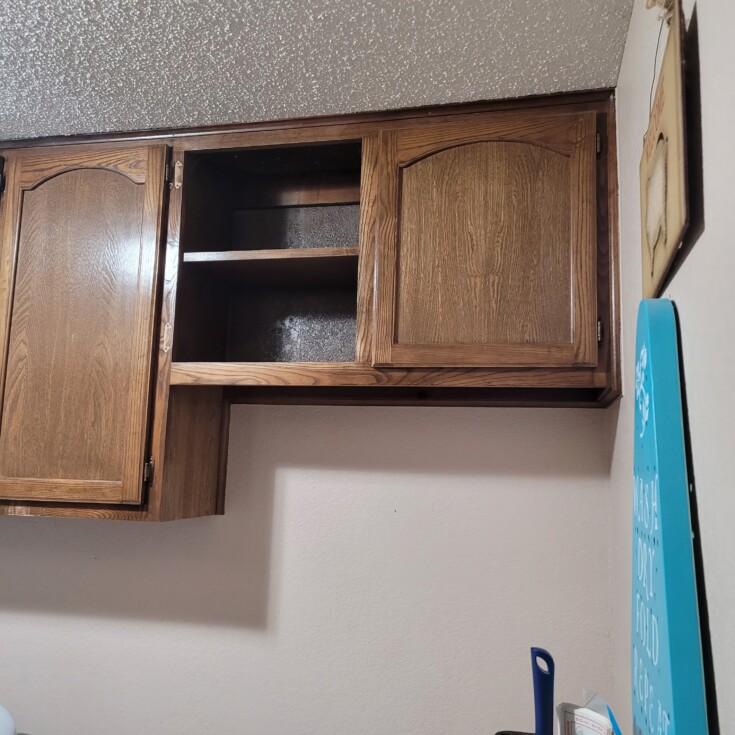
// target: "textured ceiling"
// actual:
[[78, 66]]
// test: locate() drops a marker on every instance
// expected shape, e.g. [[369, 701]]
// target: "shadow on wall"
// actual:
[[218, 571]]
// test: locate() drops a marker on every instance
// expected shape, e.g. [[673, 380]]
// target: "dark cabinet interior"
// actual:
[[269, 243]]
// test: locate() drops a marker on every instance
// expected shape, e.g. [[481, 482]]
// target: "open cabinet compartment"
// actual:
[[279, 197], [269, 248]]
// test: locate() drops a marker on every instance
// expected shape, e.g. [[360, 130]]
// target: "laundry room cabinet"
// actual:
[[456, 256]]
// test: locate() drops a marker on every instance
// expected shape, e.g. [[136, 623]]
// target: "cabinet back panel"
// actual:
[[292, 325], [296, 227], [72, 327], [272, 197], [484, 247]]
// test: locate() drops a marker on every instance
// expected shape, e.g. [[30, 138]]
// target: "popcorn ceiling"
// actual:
[[83, 66]]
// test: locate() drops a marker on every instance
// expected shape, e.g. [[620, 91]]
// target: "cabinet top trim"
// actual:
[[341, 126]]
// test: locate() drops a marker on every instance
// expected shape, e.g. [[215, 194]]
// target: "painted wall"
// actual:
[[384, 570], [379, 570], [703, 291]]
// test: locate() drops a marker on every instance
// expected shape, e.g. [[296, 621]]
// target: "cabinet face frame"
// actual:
[[144, 166], [573, 135]]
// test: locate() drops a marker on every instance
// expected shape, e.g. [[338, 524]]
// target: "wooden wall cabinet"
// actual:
[[459, 256]]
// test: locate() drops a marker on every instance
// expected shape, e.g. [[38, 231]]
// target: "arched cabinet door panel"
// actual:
[[77, 296], [487, 243]]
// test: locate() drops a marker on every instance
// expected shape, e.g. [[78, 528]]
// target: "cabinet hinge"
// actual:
[[178, 175], [598, 144], [148, 468], [600, 330], [175, 174]]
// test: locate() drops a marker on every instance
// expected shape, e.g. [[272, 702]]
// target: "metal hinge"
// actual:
[[600, 330], [148, 468], [174, 174], [599, 144]]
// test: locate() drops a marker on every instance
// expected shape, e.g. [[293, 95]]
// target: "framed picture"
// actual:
[[664, 208]]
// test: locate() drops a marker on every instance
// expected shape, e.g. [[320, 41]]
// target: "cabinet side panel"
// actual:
[[194, 452]]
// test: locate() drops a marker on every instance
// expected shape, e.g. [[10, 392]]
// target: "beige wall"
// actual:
[[379, 570], [703, 291], [384, 570]]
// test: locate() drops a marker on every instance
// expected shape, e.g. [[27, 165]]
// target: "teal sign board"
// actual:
[[668, 679]]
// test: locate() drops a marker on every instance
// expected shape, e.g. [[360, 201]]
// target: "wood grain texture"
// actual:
[[608, 258], [321, 267], [603, 245], [76, 510], [369, 183], [468, 278], [192, 464], [9, 206], [279, 254], [39, 166], [176, 445], [294, 383], [348, 374], [386, 251], [304, 190], [584, 242], [556, 133], [162, 356], [186, 485], [189, 427], [487, 243], [224, 448], [78, 351], [71, 328]]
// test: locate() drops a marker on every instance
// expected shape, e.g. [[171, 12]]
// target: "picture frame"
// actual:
[[663, 168]]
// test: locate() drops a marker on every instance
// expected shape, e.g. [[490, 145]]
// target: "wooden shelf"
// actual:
[[286, 266], [306, 190], [351, 374], [276, 254]]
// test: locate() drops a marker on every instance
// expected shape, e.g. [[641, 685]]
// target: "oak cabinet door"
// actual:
[[77, 293], [486, 251]]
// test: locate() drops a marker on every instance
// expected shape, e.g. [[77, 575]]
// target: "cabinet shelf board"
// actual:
[[273, 254], [323, 189], [353, 374], [287, 266]]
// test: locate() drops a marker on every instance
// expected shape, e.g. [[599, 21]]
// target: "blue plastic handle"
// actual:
[[543, 691]]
